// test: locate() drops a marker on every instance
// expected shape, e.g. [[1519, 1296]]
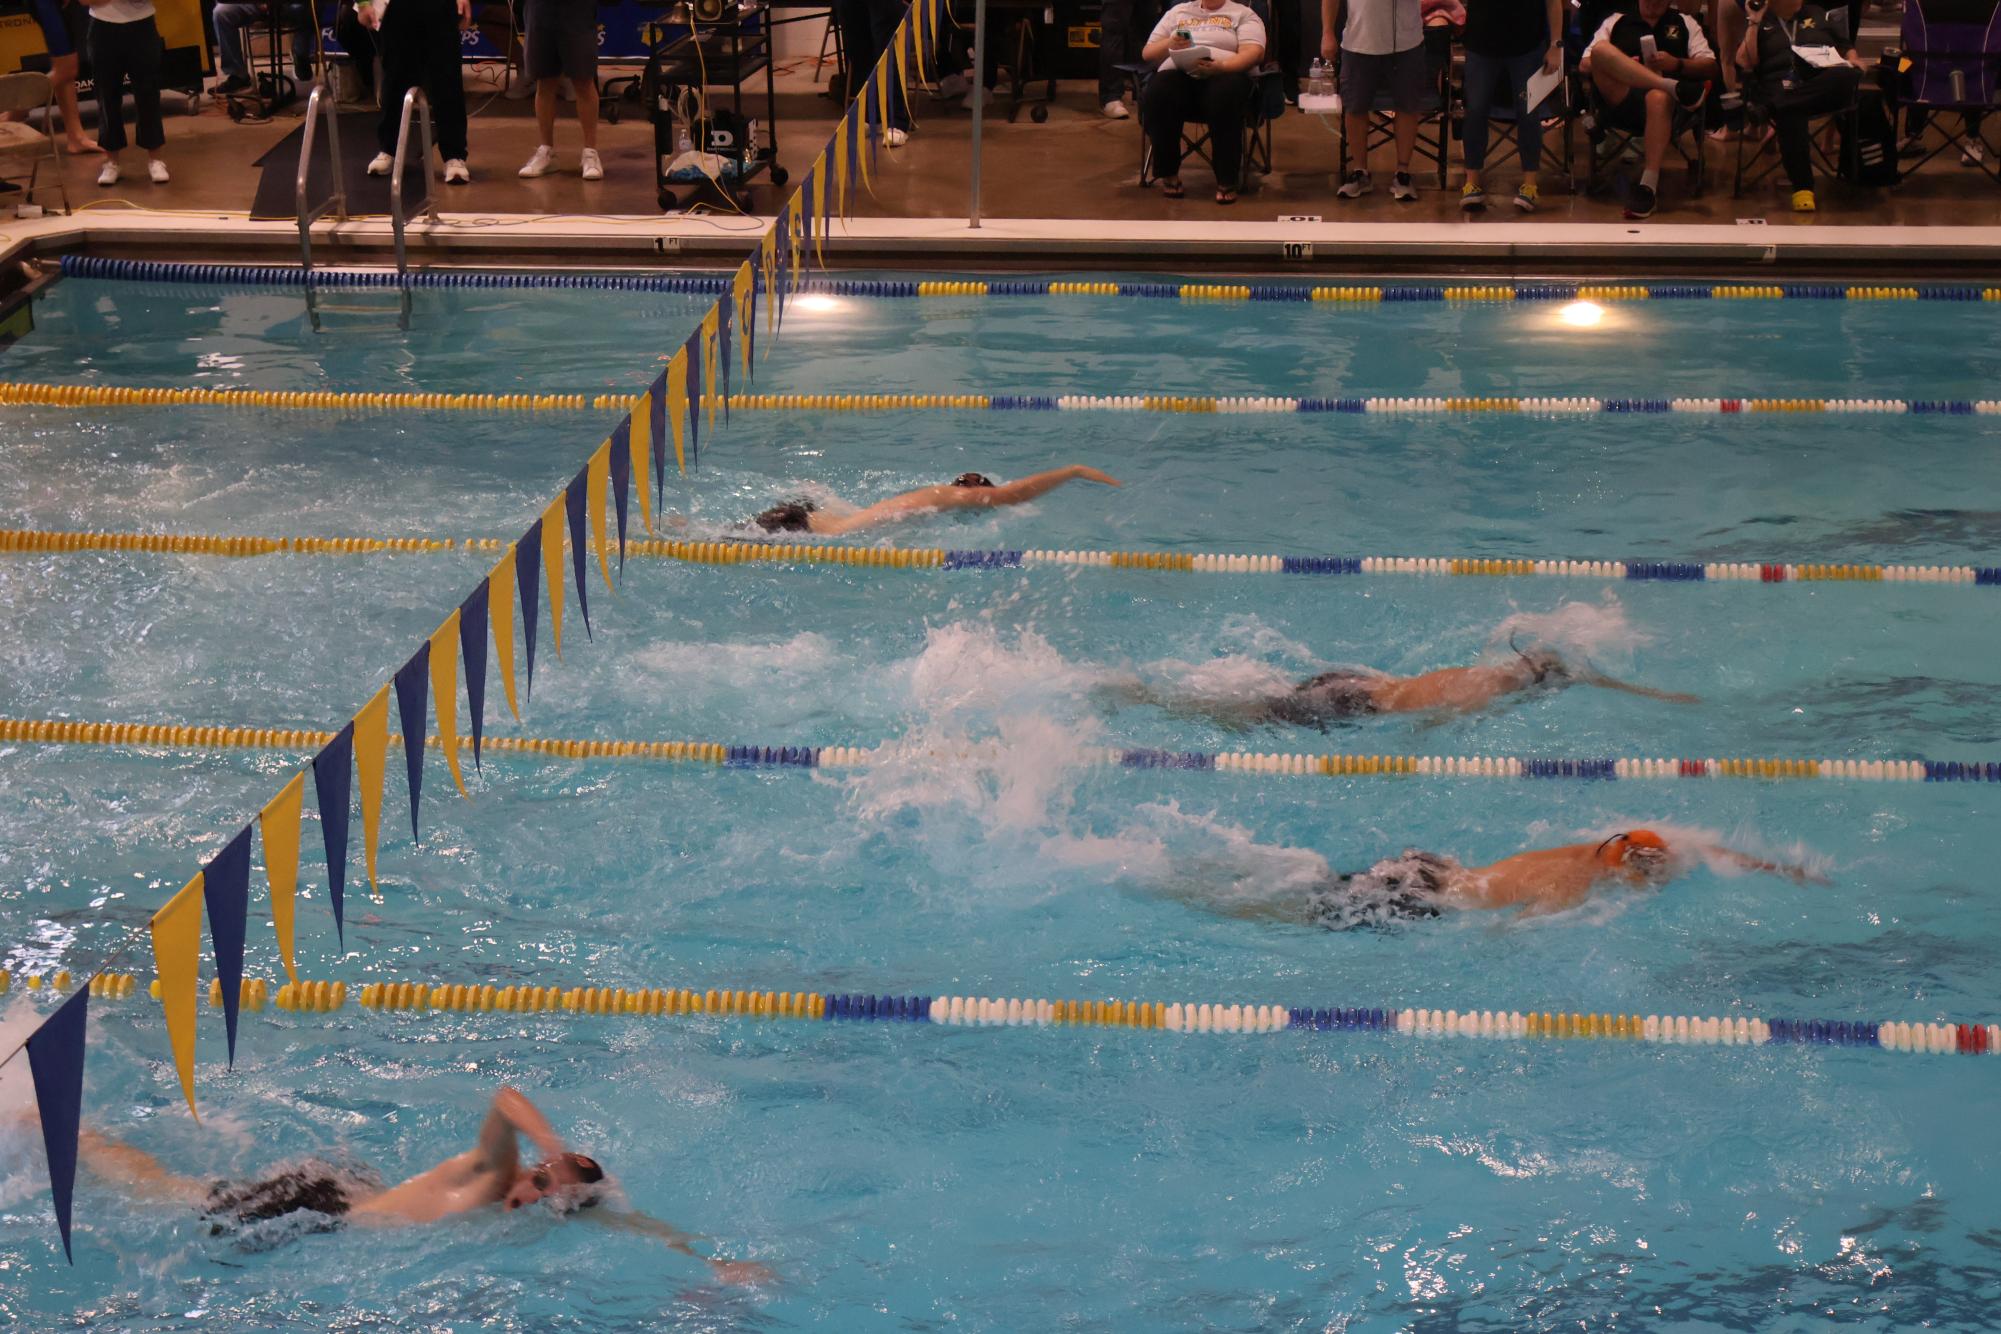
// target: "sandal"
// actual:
[[1172, 188], [1225, 195]]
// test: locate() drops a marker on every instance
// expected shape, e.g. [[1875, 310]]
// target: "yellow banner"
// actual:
[[744, 288], [500, 615], [552, 568], [767, 261], [371, 745], [445, 694], [711, 334], [177, 959], [841, 170], [278, 824], [677, 404], [640, 437], [597, 480], [820, 207], [897, 46]]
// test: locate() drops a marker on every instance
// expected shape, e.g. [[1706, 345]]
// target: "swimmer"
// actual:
[[1335, 696], [488, 1174], [968, 491], [1421, 885]]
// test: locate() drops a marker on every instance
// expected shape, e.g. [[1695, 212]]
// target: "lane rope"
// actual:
[[1186, 1017], [1320, 765], [715, 284], [740, 551]]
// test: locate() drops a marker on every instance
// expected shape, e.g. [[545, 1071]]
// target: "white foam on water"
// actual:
[[1599, 631]]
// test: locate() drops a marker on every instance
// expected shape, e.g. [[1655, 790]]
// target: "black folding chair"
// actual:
[[1267, 105], [1949, 71], [1609, 143]]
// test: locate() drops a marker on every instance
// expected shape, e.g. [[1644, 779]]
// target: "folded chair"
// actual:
[[21, 144]]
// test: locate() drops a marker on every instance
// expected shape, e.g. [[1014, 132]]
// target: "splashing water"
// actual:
[[1599, 631]]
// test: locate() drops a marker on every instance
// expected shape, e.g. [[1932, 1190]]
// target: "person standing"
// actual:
[[1384, 41], [65, 26], [866, 28], [1507, 42], [563, 44], [420, 47], [1119, 24], [125, 45]]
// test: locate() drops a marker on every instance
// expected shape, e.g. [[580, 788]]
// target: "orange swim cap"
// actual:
[[1616, 850]]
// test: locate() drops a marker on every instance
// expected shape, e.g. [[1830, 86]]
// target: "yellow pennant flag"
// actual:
[[744, 289], [371, 744], [500, 615], [177, 959], [820, 206], [597, 480], [711, 382], [920, 23], [677, 402], [640, 436], [553, 520], [841, 168], [445, 694], [900, 47], [864, 142], [278, 824]]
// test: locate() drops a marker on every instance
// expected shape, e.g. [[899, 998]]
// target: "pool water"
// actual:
[[917, 1176]]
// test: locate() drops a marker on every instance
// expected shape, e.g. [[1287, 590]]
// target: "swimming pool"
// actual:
[[1018, 1178]]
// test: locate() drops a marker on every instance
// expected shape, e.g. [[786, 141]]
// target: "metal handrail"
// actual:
[[413, 101], [319, 104]]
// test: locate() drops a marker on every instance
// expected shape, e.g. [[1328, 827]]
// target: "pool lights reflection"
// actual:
[[818, 305], [1581, 314]]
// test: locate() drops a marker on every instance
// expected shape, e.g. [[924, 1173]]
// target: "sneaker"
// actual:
[[593, 166], [1527, 197], [1973, 154], [380, 164], [1472, 199], [1640, 204], [1802, 201], [1690, 93], [456, 171], [157, 170], [1401, 188], [235, 83], [108, 175], [540, 163], [895, 138], [1357, 185], [1116, 110]]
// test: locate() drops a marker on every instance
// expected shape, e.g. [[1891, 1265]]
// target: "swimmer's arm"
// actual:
[[729, 1271], [1039, 484], [138, 1171], [1590, 676], [512, 1114], [1799, 875]]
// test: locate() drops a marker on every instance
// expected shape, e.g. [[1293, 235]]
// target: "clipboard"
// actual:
[[1540, 85]]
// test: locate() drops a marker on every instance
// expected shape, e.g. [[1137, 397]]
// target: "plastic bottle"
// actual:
[[1318, 97]]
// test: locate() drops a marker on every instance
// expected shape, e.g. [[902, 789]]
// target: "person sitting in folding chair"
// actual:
[[1644, 65], [1206, 50], [1798, 68]]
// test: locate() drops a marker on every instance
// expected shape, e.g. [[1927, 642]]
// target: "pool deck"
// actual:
[[1065, 193]]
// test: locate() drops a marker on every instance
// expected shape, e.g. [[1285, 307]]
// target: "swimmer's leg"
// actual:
[[140, 1174], [1196, 889]]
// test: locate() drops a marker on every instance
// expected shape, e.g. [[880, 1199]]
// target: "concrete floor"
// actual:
[[1077, 165]]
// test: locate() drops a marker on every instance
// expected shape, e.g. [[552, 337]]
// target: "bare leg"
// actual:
[[139, 1172], [1406, 129], [545, 109], [587, 111], [1357, 127], [1660, 126], [1612, 68], [63, 70]]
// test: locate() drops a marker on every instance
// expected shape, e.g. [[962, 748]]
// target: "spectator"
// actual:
[[65, 25], [1507, 40], [1118, 32], [1215, 90], [1640, 97], [420, 45], [866, 27], [1798, 69], [563, 43], [125, 44], [232, 17], [359, 43], [1384, 41]]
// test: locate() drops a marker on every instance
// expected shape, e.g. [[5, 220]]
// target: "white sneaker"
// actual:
[[541, 163], [1973, 155], [895, 138], [1116, 110], [380, 164], [456, 172], [157, 170], [109, 174], [593, 166]]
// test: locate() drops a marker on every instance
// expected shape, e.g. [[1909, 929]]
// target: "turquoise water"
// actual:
[[1014, 1179]]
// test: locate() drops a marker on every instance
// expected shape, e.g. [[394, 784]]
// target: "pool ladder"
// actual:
[[320, 106]]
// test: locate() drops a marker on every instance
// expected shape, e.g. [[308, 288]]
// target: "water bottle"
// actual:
[[1318, 96]]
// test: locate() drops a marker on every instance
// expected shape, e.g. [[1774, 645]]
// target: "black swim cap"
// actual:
[[972, 479], [787, 518]]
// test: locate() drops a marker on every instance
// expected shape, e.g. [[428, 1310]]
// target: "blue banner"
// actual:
[[55, 1062]]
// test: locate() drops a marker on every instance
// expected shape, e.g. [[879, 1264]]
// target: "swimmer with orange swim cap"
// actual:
[[1546, 880]]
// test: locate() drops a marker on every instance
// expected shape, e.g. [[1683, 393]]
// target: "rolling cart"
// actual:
[[703, 47]]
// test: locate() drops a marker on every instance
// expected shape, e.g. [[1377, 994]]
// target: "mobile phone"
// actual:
[[1648, 49]]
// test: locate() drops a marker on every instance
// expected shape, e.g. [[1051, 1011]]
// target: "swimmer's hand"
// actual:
[[743, 1273], [1093, 475]]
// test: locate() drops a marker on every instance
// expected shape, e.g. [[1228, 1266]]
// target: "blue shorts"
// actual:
[[62, 25]]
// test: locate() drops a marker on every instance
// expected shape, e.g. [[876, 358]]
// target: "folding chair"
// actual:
[[1267, 105], [30, 90], [1950, 65], [1434, 132], [1608, 142], [1752, 146]]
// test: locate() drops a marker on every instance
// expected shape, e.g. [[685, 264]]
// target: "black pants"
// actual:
[[1792, 107], [1221, 101], [866, 27], [420, 48], [1122, 29], [121, 51], [359, 43]]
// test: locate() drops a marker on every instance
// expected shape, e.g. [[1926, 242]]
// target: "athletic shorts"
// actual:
[[1403, 78], [1630, 115], [562, 37], [62, 25]]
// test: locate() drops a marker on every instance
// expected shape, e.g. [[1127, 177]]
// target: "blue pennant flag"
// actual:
[[528, 585], [695, 373], [413, 693], [333, 781], [852, 127], [573, 505], [803, 201], [782, 261], [750, 325], [621, 481], [472, 648], [226, 892], [725, 318], [55, 1062], [656, 423], [871, 117]]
